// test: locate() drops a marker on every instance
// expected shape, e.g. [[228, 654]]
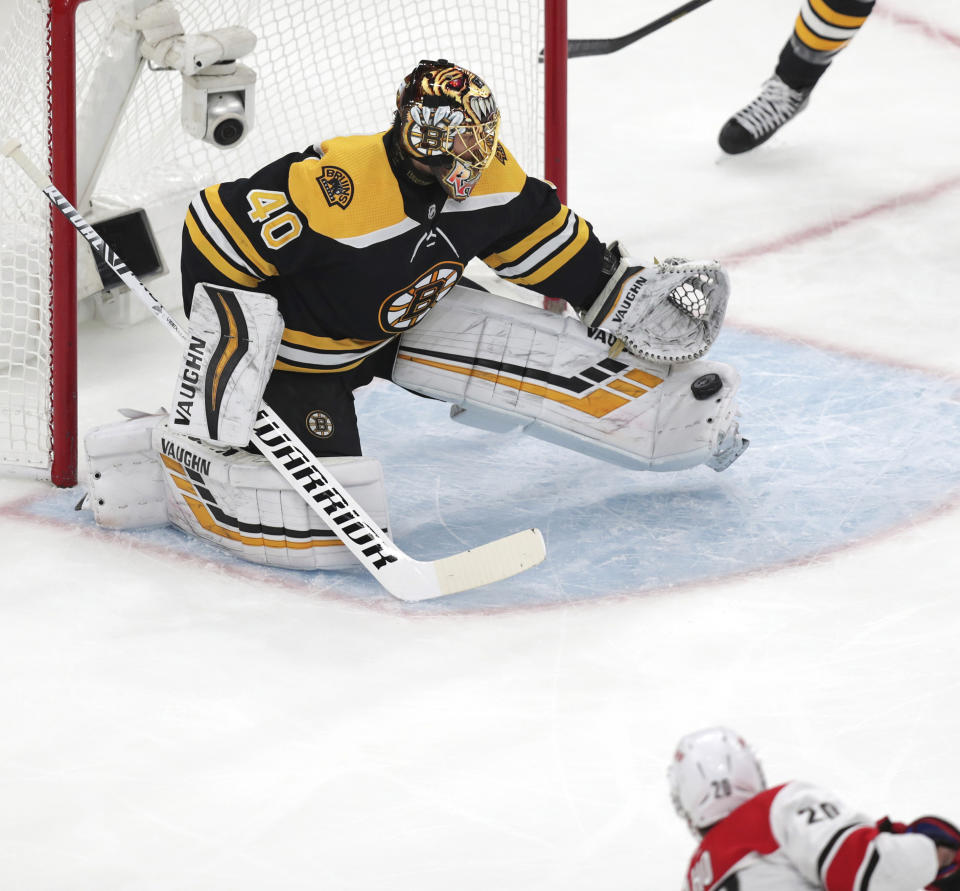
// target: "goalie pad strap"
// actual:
[[124, 478], [506, 365], [231, 345]]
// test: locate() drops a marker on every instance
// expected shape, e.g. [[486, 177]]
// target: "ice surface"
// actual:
[[175, 721]]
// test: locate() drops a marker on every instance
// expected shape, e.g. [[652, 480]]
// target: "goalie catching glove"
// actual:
[[670, 313]]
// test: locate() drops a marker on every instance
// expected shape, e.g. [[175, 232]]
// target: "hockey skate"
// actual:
[[755, 123]]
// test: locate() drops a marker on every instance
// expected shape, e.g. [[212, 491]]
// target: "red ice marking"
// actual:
[[934, 32], [821, 230]]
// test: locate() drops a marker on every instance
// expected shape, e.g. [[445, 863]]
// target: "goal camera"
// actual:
[[218, 107]]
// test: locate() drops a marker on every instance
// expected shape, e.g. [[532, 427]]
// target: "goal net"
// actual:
[[323, 67]]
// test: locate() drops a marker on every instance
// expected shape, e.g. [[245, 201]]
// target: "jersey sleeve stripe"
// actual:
[[868, 872], [212, 196], [530, 242], [544, 251], [215, 234], [848, 862], [545, 270], [830, 845], [214, 257]]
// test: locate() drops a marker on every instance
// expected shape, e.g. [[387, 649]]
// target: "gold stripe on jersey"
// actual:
[[311, 354], [218, 237], [301, 338], [212, 194], [835, 18], [527, 244], [214, 257], [375, 210], [555, 261], [811, 40]]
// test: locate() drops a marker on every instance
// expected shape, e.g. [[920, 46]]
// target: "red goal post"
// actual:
[[106, 126]]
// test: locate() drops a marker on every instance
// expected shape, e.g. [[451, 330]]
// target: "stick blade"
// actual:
[[481, 565], [491, 562]]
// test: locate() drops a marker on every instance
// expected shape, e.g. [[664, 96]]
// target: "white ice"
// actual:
[[177, 723]]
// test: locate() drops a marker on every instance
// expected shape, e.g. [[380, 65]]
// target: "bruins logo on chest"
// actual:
[[336, 185], [404, 308]]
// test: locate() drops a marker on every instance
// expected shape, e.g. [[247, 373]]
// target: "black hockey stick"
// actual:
[[403, 576], [600, 46]]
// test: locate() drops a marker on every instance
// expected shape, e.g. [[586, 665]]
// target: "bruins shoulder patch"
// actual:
[[336, 185]]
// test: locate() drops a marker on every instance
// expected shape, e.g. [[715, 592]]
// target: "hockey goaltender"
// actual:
[[344, 262]]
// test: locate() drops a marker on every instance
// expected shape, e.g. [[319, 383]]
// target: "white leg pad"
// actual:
[[238, 502], [125, 485], [504, 365]]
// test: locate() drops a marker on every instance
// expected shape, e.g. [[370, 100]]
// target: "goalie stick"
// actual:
[[404, 577]]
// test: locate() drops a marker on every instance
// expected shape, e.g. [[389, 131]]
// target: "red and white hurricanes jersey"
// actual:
[[796, 837]]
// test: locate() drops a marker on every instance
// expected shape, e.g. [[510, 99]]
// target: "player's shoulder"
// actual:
[[752, 818], [744, 833], [503, 176], [801, 808], [796, 793], [346, 188]]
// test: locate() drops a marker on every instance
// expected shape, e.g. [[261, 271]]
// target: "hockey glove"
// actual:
[[943, 834], [670, 312]]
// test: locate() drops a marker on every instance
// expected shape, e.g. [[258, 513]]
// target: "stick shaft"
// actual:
[[600, 46]]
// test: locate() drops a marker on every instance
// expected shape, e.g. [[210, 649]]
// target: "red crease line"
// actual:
[[925, 28], [823, 229]]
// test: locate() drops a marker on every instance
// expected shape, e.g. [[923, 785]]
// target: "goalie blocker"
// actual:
[[506, 365]]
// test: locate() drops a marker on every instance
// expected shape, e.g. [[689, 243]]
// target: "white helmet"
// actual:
[[712, 774]]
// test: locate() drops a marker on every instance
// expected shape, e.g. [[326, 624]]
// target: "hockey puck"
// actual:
[[706, 386]]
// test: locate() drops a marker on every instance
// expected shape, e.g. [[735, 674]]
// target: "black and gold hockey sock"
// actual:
[[822, 29]]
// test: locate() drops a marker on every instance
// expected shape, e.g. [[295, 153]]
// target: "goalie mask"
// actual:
[[447, 118], [712, 774]]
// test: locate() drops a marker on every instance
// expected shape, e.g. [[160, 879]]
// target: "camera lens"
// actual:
[[228, 131], [226, 119]]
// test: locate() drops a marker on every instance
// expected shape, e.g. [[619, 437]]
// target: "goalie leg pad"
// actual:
[[506, 365], [238, 502], [231, 345], [124, 482]]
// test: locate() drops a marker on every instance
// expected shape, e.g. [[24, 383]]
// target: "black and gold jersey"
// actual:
[[356, 254]]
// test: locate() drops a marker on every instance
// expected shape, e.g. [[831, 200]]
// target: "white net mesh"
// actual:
[[324, 68]]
